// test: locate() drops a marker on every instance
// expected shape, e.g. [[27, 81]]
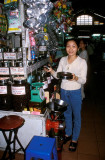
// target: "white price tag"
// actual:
[[3, 89], [18, 90], [17, 70], [42, 48], [4, 71], [9, 56]]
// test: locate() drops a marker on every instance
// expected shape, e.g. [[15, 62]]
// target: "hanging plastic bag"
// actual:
[[14, 21]]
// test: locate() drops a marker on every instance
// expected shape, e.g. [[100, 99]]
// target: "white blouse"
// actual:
[[78, 67]]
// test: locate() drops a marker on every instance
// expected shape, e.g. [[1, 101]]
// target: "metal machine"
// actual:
[[55, 125], [37, 92], [38, 100]]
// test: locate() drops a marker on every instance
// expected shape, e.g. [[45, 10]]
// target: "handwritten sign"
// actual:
[[4, 71], [9, 56], [17, 70]]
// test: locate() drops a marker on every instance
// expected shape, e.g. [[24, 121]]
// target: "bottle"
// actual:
[[1, 55], [5, 94], [32, 54], [45, 86], [43, 41], [48, 75], [20, 93], [13, 62], [19, 54], [45, 81], [42, 47]]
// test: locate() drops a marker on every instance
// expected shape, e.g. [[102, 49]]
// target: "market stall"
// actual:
[[32, 41]]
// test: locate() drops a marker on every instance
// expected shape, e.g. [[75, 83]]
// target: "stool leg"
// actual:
[[16, 139], [14, 144], [8, 141]]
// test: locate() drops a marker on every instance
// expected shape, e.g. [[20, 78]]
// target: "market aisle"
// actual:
[[91, 144]]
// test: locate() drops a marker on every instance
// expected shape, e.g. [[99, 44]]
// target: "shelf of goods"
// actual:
[[34, 125], [37, 65]]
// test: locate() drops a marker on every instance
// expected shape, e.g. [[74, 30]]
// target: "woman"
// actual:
[[83, 54], [71, 91]]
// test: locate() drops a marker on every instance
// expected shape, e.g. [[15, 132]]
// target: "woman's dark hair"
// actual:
[[73, 39], [84, 41]]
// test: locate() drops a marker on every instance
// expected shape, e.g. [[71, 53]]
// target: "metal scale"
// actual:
[[37, 95], [37, 92]]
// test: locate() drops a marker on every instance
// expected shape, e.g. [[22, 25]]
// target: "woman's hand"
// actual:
[[75, 78], [49, 69]]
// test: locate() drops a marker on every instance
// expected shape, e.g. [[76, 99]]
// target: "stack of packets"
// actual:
[[33, 111]]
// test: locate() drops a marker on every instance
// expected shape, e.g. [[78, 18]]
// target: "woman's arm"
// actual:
[[83, 75], [54, 73]]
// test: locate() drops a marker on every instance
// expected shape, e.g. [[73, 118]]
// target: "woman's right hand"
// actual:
[[49, 69]]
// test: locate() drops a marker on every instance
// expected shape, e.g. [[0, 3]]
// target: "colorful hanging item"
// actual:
[[63, 13]]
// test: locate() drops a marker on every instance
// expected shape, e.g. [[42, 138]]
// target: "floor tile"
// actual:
[[100, 135], [101, 146], [88, 148], [87, 157], [102, 158], [69, 156]]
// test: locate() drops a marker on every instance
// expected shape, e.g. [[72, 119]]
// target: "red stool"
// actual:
[[11, 124]]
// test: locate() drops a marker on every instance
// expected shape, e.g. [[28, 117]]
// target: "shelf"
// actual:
[[37, 65]]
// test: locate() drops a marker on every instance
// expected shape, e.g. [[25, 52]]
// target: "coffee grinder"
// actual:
[[55, 124]]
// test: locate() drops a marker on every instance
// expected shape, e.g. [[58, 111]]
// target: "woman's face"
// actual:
[[71, 48], [82, 45]]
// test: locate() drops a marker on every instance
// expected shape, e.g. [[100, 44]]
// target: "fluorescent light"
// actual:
[[96, 35], [83, 36]]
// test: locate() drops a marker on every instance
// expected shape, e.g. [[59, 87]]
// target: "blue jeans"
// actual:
[[73, 113]]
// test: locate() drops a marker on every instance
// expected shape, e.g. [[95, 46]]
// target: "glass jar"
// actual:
[[7, 64], [44, 80], [19, 54], [5, 94], [1, 54], [19, 64], [48, 75], [20, 93]]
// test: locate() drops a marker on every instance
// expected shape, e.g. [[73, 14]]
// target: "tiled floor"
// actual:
[[91, 144]]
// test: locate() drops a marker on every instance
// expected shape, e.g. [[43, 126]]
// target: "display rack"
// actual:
[[35, 66], [31, 68]]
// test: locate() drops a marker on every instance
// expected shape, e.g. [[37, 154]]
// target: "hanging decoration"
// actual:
[[63, 13]]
